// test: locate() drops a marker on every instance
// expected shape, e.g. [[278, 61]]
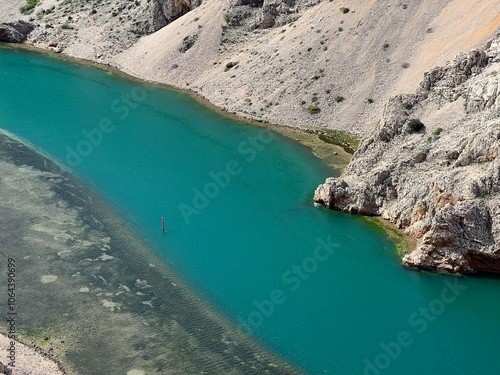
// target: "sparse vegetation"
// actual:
[[339, 98], [313, 109], [227, 17], [230, 65], [405, 65], [29, 6], [437, 132], [188, 42], [344, 10], [414, 126], [369, 100], [336, 137], [483, 192], [319, 74]]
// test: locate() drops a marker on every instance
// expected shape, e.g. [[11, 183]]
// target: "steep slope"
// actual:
[[296, 62], [93, 29], [376, 50], [432, 167]]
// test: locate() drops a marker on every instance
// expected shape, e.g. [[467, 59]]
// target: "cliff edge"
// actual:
[[432, 166]]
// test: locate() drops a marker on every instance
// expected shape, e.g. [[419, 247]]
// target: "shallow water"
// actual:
[[249, 246]]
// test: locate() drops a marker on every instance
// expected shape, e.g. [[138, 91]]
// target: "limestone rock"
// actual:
[[161, 13], [265, 14], [15, 32], [442, 187]]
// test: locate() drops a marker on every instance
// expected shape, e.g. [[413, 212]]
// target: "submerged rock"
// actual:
[[442, 185]]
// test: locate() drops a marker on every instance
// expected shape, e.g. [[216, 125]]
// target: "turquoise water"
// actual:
[[251, 246]]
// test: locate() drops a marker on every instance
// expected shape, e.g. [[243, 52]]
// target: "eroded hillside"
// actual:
[[293, 62]]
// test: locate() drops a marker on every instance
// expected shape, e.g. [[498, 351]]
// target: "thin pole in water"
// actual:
[[163, 224]]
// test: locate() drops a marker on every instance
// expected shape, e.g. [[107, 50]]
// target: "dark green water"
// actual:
[[323, 289]]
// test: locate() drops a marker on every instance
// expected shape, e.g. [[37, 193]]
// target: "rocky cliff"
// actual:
[[15, 32], [93, 29], [432, 166]]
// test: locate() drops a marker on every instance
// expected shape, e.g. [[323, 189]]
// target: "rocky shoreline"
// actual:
[[432, 167]]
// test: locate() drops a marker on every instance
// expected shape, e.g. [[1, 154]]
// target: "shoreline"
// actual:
[[405, 243], [63, 341], [379, 222], [333, 155]]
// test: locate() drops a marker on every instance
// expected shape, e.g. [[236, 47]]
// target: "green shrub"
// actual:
[[437, 132], [313, 109], [369, 100], [344, 10], [414, 126], [29, 6], [227, 17], [339, 98], [230, 65]]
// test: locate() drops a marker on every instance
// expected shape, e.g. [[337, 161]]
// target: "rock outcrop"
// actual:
[[93, 30], [264, 14], [161, 13], [15, 32], [440, 182]]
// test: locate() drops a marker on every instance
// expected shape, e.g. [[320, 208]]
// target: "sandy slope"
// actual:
[[277, 66]]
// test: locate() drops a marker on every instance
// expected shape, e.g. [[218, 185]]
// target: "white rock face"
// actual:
[[440, 184]]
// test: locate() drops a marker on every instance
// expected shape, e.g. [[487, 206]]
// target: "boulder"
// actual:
[[15, 32]]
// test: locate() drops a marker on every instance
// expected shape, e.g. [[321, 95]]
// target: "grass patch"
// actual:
[[313, 109], [348, 142], [339, 98], [29, 6], [437, 132]]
